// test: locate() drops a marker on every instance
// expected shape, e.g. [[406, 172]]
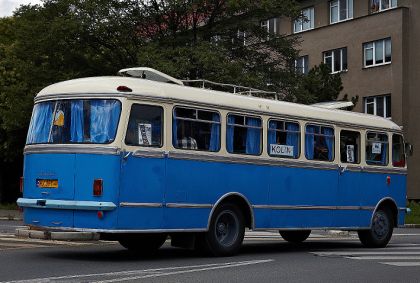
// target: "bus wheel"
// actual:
[[295, 236], [226, 231], [380, 232], [143, 243]]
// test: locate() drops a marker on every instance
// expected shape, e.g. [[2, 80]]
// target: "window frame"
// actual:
[[320, 129], [245, 126], [199, 121], [348, 17], [359, 156], [380, 9], [366, 145], [332, 56], [284, 131], [386, 105], [301, 20], [373, 48], [305, 62], [162, 126]]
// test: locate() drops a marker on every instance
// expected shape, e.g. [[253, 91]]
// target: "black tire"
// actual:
[[295, 237], [143, 243], [225, 234], [380, 233]]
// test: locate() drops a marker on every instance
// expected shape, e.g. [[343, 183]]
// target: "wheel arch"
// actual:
[[241, 201], [390, 204]]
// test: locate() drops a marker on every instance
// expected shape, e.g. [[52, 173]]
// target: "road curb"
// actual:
[[56, 236], [411, 226]]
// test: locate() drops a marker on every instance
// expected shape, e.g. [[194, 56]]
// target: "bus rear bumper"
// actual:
[[65, 204]]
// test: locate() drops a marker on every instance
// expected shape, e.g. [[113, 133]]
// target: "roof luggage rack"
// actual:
[[155, 75]]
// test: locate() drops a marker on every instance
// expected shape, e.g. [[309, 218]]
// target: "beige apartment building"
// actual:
[[375, 45]]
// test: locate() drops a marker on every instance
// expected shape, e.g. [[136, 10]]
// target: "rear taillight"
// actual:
[[21, 184], [98, 187]]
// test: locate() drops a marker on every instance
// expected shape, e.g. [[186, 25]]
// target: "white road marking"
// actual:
[[406, 235], [366, 253], [402, 263], [138, 274], [384, 257]]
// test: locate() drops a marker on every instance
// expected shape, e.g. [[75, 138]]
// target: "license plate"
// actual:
[[50, 184]]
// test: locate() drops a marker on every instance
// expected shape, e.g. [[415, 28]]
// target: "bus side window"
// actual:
[[319, 143], [283, 139], [376, 149], [398, 156], [145, 126], [196, 129], [244, 134], [350, 147]]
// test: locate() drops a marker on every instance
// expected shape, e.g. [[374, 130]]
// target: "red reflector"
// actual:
[[21, 184], [97, 187], [388, 180], [124, 88], [100, 214]]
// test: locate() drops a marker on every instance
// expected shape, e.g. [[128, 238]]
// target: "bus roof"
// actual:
[[142, 87]]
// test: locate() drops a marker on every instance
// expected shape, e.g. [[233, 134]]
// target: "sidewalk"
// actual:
[[10, 215]]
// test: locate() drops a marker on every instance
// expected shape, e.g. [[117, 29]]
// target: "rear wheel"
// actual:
[[295, 236], [143, 243], [226, 232], [380, 233]]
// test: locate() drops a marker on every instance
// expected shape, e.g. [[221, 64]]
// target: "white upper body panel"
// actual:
[[142, 87]]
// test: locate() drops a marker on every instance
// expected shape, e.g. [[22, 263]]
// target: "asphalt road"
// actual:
[[265, 257]]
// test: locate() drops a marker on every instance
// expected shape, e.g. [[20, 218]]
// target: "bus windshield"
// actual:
[[74, 121]]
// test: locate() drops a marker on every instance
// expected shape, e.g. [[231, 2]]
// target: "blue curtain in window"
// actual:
[[384, 154], [292, 139], [77, 121], [39, 129], [230, 133], [156, 132], [174, 130], [253, 136], [215, 133], [329, 141], [104, 117], [309, 142], [272, 134]]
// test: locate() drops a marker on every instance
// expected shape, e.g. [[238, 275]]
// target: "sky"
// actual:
[[8, 6]]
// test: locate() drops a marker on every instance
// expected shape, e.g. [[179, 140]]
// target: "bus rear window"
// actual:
[[398, 156], [74, 121]]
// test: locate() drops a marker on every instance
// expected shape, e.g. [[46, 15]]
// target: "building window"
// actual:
[[381, 5], [301, 65], [196, 129], [378, 105], [336, 59], [270, 25], [243, 134], [306, 21], [341, 10], [377, 52]]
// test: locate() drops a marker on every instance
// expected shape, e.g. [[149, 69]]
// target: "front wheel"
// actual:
[[380, 232], [226, 231], [295, 237], [143, 243]]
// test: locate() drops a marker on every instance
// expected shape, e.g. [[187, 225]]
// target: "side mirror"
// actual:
[[409, 149]]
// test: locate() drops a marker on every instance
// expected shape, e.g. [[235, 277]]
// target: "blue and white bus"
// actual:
[[138, 160]]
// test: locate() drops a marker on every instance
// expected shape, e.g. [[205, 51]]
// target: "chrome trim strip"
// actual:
[[151, 154], [311, 207], [62, 148], [311, 228], [188, 205], [65, 204], [251, 160], [125, 231], [227, 195], [141, 204], [66, 96]]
